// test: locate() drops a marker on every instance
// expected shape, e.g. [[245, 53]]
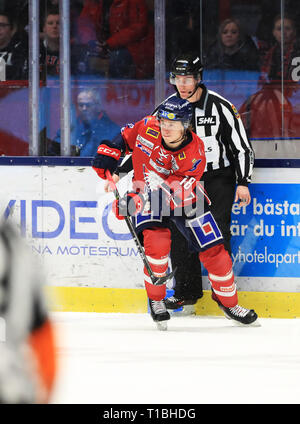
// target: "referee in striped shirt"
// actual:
[[229, 156]]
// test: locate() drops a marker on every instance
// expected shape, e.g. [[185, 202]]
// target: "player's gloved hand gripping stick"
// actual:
[[155, 280]]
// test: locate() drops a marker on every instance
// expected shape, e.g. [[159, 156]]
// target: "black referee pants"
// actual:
[[220, 186]]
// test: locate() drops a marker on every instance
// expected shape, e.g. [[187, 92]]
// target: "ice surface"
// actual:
[[123, 358]]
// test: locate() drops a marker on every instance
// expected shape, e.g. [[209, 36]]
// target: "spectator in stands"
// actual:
[[49, 47], [288, 46], [75, 10], [120, 37], [20, 8], [13, 51], [269, 112], [233, 49], [182, 28], [92, 125], [46, 5]]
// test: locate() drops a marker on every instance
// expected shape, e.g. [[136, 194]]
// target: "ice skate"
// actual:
[[159, 313], [238, 313]]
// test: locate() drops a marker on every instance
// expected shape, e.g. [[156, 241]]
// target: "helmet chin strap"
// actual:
[[191, 93], [195, 89]]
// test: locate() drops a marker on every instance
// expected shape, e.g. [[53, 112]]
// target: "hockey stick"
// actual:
[[155, 280]]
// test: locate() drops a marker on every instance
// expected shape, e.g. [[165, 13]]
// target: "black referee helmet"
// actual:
[[186, 64]]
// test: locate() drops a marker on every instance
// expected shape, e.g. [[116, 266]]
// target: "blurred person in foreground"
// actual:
[[27, 343]]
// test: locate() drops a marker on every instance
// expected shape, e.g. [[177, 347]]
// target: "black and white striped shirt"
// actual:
[[217, 122]]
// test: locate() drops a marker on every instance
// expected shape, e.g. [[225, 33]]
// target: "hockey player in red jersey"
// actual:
[[168, 162]]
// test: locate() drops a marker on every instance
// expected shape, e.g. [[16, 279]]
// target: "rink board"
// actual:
[[85, 299], [65, 216]]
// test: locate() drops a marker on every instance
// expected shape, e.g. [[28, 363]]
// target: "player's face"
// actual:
[[172, 132], [87, 108], [5, 31], [51, 27], [288, 30], [186, 84], [230, 35]]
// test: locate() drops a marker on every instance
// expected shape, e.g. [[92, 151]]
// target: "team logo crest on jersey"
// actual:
[[205, 229], [181, 156], [196, 163], [162, 157], [152, 132], [235, 111]]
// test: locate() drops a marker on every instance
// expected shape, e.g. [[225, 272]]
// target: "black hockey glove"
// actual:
[[106, 159]]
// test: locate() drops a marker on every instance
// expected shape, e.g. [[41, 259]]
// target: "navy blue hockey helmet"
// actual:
[[186, 64], [176, 109]]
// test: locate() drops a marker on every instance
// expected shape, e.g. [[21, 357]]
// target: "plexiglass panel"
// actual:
[[250, 50], [250, 53], [112, 71], [14, 127]]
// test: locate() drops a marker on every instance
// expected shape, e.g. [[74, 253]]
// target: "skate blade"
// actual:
[[183, 311], [162, 325], [255, 323]]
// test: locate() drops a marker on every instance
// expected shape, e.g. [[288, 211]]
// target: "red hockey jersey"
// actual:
[[178, 170]]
